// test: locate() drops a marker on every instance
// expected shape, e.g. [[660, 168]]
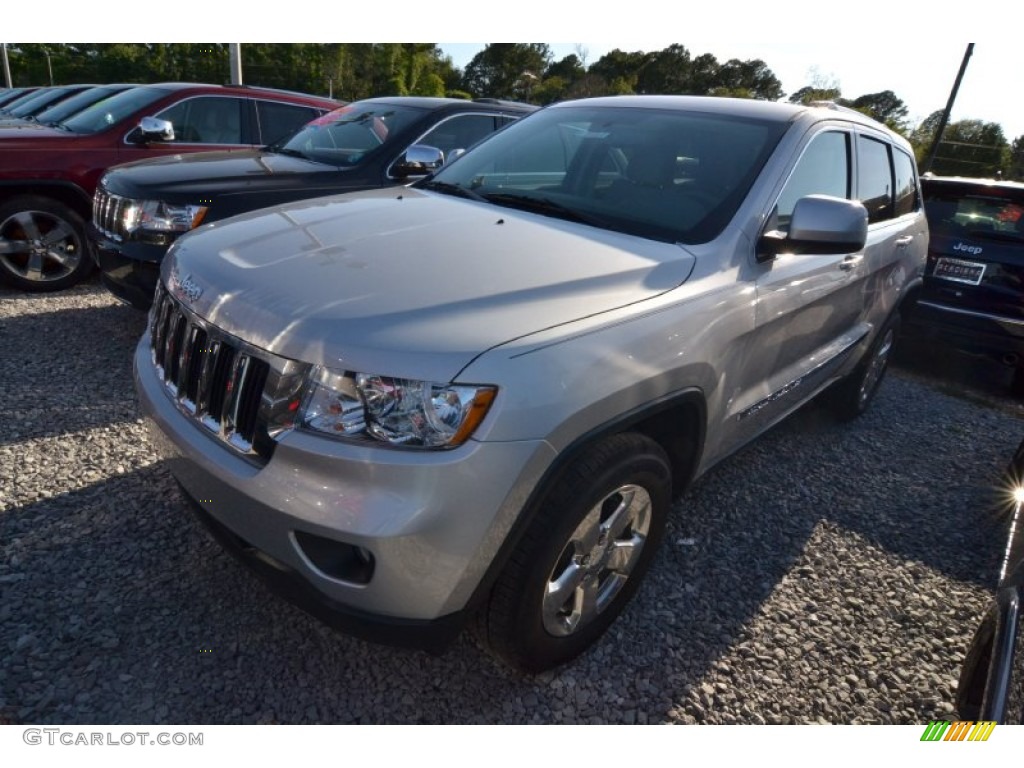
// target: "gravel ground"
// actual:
[[827, 573]]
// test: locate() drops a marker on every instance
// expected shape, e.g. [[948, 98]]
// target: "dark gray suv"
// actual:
[[478, 395]]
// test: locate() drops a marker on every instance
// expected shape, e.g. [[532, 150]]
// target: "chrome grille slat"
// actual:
[[108, 213], [241, 395]]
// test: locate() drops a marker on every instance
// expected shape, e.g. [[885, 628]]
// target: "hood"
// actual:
[[30, 132], [406, 282], [204, 174]]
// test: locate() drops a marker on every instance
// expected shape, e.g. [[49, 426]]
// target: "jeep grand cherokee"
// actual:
[[478, 395]]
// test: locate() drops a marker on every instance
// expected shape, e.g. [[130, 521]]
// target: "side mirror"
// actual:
[[820, 224], [153, 129], [419, 160]]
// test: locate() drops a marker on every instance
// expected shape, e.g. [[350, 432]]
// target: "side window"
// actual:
[[279, 121], [206, 120], [906, 183], [874, 179], [460, 132], [823, 169]]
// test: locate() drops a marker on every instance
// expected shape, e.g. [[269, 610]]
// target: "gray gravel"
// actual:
[[827, 573]]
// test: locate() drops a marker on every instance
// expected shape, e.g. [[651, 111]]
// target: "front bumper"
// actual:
[[432, 521], [129, 270]]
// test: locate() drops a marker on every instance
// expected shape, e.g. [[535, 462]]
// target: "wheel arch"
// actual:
[[676, 422], [66, 193]]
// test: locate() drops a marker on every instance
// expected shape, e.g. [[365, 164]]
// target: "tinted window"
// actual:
[[345, 136], [665, 174], [906, 183], [279, 121], [874, 178], [41, 100], [459, 132], [823, 169], [206, 120], [111, 111], [77, 103], [985, 212]]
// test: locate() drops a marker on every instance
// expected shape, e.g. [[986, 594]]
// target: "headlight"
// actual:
[[404, 412], [158, 216]]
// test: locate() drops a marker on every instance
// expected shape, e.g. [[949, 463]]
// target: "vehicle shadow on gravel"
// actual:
[[51, 365]]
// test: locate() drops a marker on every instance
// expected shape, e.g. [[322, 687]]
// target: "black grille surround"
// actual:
[[243, 396]]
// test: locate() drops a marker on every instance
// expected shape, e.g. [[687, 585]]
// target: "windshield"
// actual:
[[13, 104], [77, 103], [347, 135], [38, 102], [992, 213], [111, 111], [665, 174]]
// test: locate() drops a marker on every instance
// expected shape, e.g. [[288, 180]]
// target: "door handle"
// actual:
[[904, 241], [851, 261]]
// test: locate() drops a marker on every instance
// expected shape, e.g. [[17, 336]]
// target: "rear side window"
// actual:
[[279, 121], [874, 178], [823, 169], [906, 183]]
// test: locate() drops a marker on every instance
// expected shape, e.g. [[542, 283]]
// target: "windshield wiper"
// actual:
[[452, 189], [544, 206]]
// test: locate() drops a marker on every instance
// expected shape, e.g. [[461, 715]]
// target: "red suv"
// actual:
[[48, 173]]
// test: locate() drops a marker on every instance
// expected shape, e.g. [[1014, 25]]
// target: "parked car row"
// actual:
[[49, 171], [142, 207]]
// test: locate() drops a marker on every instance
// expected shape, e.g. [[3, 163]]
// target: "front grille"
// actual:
[[244, 396], [108, 213]]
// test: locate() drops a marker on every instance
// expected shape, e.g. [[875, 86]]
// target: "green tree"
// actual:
[[885, 107], [810, 93], [970, 148], [1015, 162], [748, 79], [506, 70]]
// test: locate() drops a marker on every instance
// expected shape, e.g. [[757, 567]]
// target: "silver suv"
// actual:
[[478, 395]]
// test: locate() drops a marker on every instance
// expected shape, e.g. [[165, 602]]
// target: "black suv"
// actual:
[[973, 292], [141, 208]]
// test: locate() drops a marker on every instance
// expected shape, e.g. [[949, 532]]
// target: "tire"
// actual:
[[970, 690], [622, 485], [43, 245], [851, 397], [1017, 383]]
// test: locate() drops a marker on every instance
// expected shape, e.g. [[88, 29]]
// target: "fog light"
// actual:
[[337, 559]]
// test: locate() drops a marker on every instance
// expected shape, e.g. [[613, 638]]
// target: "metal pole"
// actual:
[[49, 66], [7, 65], [235, 55], [949, 108]]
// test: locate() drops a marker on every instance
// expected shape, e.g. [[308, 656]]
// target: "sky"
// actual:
[[866, 46]]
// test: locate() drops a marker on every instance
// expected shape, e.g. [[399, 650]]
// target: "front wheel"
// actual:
[[583, 556], [43, 245], [851, 397]]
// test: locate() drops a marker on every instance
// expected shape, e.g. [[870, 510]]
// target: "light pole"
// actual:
[[7, 65], [49, 65]]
